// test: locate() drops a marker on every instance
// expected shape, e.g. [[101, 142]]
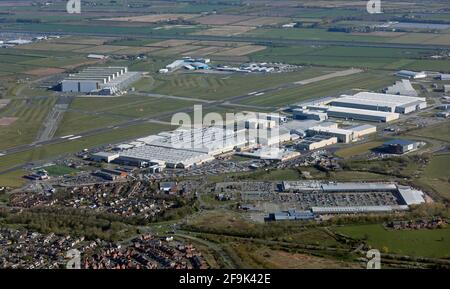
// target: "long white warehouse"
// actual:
[[381, 102], [362, 114]]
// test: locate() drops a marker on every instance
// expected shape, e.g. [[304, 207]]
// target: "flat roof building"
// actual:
[[381, 102], [444, 77], [400, 146], [104, 157], [309, 114], [343, 135], [316, 142], [94, 79], [362, 130], [411, 74], [362, 114]]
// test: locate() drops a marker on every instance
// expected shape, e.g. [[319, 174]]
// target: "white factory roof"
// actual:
[[166, 155], [411, 196], [362, 111], [355, 209], [358, 187], [362, 127], [379, 99], [331, 130]]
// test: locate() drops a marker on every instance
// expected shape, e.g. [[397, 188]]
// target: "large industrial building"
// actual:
[[396, 197], [411, 74], [399, 146], [362, 114], [316, 142], [102, 80], [381, 102], [309, 114]]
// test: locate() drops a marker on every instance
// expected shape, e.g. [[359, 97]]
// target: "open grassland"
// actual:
[[77, 122], [423, 243], [12, 179], [437, 175], [91, 113], [30, 114], [59, 170], [222, 86], [335, 86], [440, 132], [357, 149]]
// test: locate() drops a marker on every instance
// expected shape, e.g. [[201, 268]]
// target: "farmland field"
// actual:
[[425, 243]]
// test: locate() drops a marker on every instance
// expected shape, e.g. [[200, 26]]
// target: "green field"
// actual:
[[58, 170], [222, 86], [357, 149], [423, 243], [30, 113]]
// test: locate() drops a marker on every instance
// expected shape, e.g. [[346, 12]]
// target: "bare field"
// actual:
[[135, 50], [83, 40], [204, 51], [44, 71], [170, 43], [221, 19], [51, 46], [153, 18], [101, 49], [176, 50], [220, 43], [6, 121], [260, 21], [241, 51], [225, 30]]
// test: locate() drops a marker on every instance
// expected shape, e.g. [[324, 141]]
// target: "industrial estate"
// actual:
[[224, 134]]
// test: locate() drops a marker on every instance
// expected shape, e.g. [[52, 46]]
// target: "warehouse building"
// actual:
[[105, 80], [444, 77], [362, 130], [104, 157], [411, 196], [316, 142], [169, 157], [381, 102], [291, 214], [343, 135], [356, 209], [411, 74], [362, 114], [309, 114], [399, 146]]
